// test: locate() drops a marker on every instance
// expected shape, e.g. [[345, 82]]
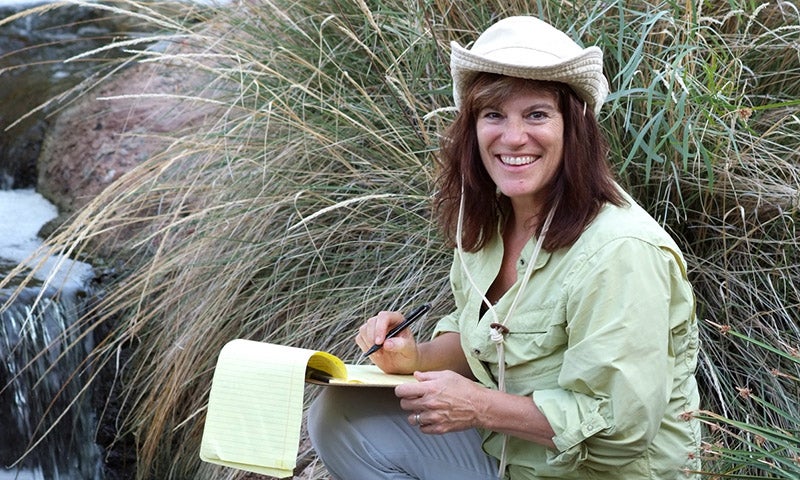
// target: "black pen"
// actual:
[[412, 316]]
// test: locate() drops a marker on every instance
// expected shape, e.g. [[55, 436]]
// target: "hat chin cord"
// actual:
[[499, 329]]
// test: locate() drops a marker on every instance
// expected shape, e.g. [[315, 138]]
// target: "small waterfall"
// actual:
[[43, 374], [43, 352]]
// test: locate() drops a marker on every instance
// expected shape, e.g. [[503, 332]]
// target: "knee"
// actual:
[[314, 420], [342, 414], [324, 415]]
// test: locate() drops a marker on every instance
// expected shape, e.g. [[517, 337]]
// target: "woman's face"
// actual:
[[521, 143]]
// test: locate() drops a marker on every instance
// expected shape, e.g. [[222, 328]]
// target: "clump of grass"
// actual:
[[301, 207], [710, 146]]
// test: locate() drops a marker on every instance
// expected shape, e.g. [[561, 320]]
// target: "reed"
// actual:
[[302, 205]]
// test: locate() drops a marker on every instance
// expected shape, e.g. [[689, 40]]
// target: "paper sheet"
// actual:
[[371, 376], [255, 408]]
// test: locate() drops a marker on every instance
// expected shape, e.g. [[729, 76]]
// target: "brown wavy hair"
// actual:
[[580, 187]]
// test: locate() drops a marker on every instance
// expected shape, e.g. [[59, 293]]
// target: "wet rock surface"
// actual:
[[84, 139], [79, 161], [32, 70]]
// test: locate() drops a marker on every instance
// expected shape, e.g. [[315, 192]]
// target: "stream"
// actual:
[[42, 353], [42, 348], [41, 321]]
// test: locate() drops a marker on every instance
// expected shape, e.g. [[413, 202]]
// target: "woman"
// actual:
[[572, 350]]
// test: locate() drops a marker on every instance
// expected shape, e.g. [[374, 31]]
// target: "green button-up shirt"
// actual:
[[605, 341]]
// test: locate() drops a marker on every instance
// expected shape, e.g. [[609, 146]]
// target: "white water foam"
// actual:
[[21, 475], [22, 214]]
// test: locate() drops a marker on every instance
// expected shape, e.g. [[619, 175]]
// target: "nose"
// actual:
[[515, 132]]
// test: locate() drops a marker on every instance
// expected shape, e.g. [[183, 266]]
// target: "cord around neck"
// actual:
[[499, 329]]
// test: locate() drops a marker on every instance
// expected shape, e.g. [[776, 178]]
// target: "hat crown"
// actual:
[[526, 47], [512, 38]]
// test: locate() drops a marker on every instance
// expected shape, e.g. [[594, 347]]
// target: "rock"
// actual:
[[31, 72], [113, 128], [71, 149]]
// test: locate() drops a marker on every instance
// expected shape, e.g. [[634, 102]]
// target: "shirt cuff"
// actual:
[[574, 418], [448, 323]]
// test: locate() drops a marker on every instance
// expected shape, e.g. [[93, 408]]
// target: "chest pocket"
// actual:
[[534, 349]]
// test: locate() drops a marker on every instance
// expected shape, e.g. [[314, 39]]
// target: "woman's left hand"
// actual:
[[443, 401]]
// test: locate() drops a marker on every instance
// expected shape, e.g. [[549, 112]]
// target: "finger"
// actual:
[[381, 326], [417, 419], [368, 331], [409, 391], [425, 376], [363, 337], [383, 322], [411, 404]]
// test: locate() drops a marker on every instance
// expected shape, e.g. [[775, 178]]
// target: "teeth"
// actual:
[[517, 160]]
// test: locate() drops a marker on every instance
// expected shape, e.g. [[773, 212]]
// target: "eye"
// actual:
[[490, 114], [537, 115]]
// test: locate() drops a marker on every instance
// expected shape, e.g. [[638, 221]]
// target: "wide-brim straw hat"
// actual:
[[526, 47]]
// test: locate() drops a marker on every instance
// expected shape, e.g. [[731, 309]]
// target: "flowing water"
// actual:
[[36, 365], [43, 351]]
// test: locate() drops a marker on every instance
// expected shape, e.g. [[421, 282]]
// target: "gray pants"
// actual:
[[361, 433]]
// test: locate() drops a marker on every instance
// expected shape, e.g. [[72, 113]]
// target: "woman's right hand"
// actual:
[[399, 354]]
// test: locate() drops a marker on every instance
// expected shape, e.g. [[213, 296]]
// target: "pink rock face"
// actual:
[[114, 128]]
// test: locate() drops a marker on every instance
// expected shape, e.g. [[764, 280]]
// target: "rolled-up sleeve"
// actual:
[[449, 323], [615, 381]]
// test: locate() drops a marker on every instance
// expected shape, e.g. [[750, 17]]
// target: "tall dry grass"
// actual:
[[302, 207]]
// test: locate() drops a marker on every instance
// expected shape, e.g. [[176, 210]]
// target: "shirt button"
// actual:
[[475, 352]]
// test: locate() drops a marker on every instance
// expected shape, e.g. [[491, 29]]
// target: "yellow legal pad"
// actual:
[[255, 407]]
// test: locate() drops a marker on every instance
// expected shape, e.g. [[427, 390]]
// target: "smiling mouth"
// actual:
[[517, 161]]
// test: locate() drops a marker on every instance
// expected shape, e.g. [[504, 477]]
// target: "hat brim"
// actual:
[[583, 72]]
